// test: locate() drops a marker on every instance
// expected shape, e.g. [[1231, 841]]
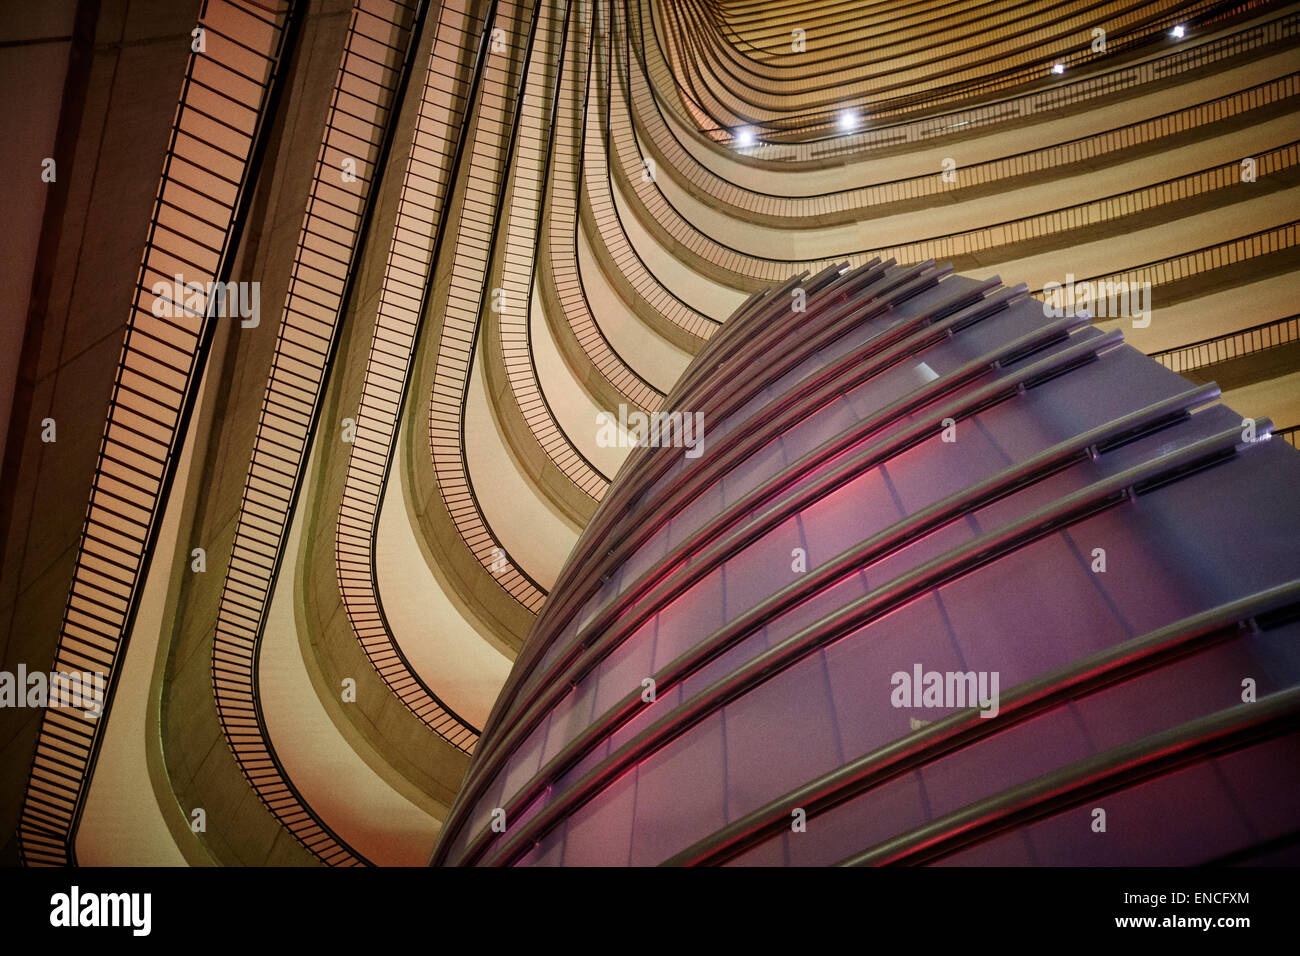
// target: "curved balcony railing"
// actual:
[[1001, 49], [891, 127], [1065, 222], [763, 41], [1199, 262], [1233, 345], [522, 226], [563, 276], [438, 143], [1131, 30], [599, 197], [376, 63], [471, 255], [1073, 224], [1112, 145], [214, 153]]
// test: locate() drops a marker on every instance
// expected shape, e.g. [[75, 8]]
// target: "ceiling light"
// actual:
[[744, 137], [1058, 68], [1179, 32], [848, 121]]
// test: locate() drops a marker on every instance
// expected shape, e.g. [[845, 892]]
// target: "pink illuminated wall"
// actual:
[[920, 475]]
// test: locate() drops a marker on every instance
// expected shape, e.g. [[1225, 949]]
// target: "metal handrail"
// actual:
[[472, 253], [155, 387], [1160, 754], [660, 584], [1130, 28], [955, 563], [323, 272], [1230, 345], [890, 129], [437, 148], [874, 290], [617, 617], [1209, 262], [763, 42], [548, 656]]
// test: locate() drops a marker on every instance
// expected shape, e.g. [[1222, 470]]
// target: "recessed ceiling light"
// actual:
[[848, 120], [1179, 32], [1058, 68], [744, 137]]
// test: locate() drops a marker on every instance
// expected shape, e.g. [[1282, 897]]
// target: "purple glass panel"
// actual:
[[898, 805], [790, 715], [817, 606], [666, 700], [723, 665], [621, 673], [762, 569], [754, 470], [569, 718], [600, 832], [862, 668], [848, 516], [580, 769], [1263, 782], [1002, 760], [524, 762], [1183, 819], [689, 619], [829, 421], [682, 528], [680, 795]]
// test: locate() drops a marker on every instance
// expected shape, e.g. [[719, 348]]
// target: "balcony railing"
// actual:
[[438, 144], [1115, 144], [1131, 28], [377, 58], [213, 158], [892, 128], [471, 254], [575, 107], [1222, 348], [523, 213], [1199, 262]]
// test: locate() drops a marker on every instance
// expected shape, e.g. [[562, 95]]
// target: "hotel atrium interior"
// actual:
[[638, 432]]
